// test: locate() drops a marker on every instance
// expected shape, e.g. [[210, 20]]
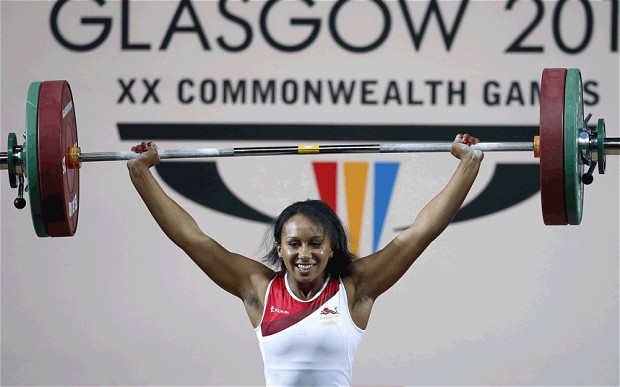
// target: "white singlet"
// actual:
[[307, 343]]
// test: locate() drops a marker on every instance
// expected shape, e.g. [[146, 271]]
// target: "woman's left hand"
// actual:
[[461, 147]]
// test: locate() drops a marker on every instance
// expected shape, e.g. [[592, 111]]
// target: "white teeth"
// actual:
[[304, 267]]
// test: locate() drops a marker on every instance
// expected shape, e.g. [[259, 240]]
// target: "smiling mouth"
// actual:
[[304, 268]]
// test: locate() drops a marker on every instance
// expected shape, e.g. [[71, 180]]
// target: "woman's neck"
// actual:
[[305, 291]]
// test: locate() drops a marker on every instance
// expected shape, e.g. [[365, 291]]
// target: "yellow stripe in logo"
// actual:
[[355, 175]]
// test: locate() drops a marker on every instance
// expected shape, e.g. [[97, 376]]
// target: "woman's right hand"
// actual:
[[461, 147], [148, 155]]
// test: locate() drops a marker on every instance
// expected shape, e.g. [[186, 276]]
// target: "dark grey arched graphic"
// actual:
[[509, 185], [201, 182]]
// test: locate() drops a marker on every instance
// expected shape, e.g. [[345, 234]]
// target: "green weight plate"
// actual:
[[600, 145], [10, 162], [573, 164], [32, 160]]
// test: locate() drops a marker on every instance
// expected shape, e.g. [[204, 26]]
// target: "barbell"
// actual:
[[50, 158]]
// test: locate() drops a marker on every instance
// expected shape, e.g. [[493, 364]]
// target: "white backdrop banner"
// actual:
[[498, 299]]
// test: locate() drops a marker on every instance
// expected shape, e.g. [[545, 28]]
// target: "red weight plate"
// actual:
[[59, 185], [552, 146]]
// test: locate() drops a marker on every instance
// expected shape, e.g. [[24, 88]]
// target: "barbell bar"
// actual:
[[50, 157], [76, 158]]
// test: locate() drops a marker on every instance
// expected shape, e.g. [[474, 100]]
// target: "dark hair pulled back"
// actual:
[[320, 213]]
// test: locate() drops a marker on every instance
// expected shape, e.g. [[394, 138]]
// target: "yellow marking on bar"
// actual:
[[308, 149]]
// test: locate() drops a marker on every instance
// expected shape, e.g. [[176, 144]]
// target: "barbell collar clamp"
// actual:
[[20, 202]]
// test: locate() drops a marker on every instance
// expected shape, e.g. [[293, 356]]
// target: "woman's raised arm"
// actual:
[[376, 273], [238, 275]]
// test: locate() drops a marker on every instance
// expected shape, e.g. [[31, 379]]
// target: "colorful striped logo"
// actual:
[[355, 187]]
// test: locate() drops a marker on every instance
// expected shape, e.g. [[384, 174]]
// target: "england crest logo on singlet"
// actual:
[[329, 316]]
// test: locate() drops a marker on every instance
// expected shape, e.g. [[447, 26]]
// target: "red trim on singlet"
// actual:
[[283, 311]]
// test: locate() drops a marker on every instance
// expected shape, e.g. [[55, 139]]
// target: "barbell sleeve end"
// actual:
[[611, 146], [4, 160]]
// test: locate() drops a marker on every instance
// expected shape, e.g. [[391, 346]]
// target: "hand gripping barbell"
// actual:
[[50, 158]]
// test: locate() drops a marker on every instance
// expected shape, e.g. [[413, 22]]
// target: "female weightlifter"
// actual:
[[311, 311]]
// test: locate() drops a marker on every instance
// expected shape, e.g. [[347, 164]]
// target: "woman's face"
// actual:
[[305, 250]]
